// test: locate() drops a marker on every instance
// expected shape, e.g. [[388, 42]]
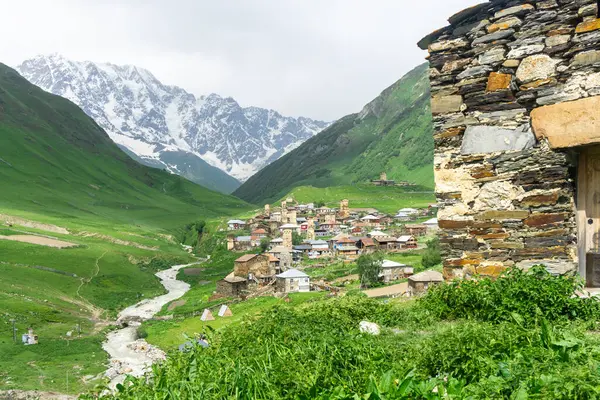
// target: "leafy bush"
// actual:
[[190, 235], [141, 333], [369, 267], [432, 255], [532, 295]]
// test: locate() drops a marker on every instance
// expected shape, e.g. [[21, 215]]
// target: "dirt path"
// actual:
[[395, 290], [40, 240], [95, 311], [132, 356]]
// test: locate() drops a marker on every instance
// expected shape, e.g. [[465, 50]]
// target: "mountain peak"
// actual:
[[148, 117]]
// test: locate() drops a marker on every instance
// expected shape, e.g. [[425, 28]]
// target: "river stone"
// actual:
[[568, 124], [539, 66], [493, 36], [482, 139]]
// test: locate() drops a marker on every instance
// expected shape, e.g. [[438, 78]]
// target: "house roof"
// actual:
[[244, 238], [405, 238], [236, 221], [391, 264], [231, 278], [246, 257], [316, 242], [377, 233], [292, 273], [346, 240], [369, 218], [432, 221], [288, 226], [409, 210], [415, 226], [368, 242], [279, 249], [272, 258], [259, 231], [303, 247], [385, 239], [278, 240], [427, 276]]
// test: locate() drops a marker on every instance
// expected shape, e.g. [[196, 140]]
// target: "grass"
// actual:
[[169, 335], [385, 199], [58, 167]]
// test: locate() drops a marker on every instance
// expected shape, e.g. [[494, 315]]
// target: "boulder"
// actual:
[[369, 327]]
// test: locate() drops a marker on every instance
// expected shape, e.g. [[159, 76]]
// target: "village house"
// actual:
[[366, 245], [236, 224], [419, 284], [373, 234], [319, 248], [321, 233], [383, 180], [232, 286], [348, 252], [274, 262], [254, 267], [432, 225], [330, 227], [515, 97], [386, 243], [293, 281], [275, 243], [393, 271], [409, 211], [404, 217], [260, 233], [371, 220], [415, 229], [242, 243], [407, 242]]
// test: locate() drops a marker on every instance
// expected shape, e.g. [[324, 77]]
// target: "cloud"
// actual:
[[316, 58]]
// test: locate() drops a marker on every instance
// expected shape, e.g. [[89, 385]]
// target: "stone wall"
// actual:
[[507, 191]]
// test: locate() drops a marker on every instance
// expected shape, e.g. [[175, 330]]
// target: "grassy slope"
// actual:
[[56, 161], [385, 199], [57, 166], [392, 134]]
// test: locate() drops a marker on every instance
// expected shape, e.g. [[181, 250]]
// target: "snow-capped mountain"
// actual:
[[150, 118]]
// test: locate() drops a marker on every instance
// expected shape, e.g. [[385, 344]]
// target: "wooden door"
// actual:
[[589, 215]]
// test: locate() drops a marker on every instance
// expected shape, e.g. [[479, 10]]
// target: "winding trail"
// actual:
[[128, 354]]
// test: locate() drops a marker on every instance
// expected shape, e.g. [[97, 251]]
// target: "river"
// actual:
[[128, 354]]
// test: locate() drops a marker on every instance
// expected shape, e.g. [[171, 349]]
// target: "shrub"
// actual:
[[432, 255], [532, 295]]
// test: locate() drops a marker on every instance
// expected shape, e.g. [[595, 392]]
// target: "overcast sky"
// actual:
[[316, 58]]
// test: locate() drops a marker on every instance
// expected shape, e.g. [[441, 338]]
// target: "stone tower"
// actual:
[[310, 231], [292, 216], [330, 218], [230, 242], [383, 176], [267, 210], [344, 209], [287, 238]]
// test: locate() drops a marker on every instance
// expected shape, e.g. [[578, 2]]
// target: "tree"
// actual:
[[432, 255], [264, 245], [297, 239], [319, 203], [369, 266]]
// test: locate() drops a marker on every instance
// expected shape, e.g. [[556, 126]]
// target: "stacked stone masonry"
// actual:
[[507, 189]]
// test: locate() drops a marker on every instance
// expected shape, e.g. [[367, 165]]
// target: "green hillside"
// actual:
[[57, 161], [192, 168], [391, 134], [62, 178]]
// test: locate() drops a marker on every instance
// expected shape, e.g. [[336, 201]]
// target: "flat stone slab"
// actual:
[[568, 124], [483, 139]]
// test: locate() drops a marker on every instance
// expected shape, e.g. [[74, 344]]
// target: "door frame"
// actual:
[[581, 205]]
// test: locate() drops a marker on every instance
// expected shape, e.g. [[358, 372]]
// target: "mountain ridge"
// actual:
[[392, 134], [146, 116]]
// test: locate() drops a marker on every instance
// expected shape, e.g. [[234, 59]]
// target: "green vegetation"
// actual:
[[316, 351], [391, 134], [58, 167], [384, 199], [432, 256], [369, 266]]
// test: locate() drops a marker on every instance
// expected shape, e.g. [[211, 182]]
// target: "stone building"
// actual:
[[310, 231], [515, 88], [232, 286], [253, 265], [344, 209], [287, 236]]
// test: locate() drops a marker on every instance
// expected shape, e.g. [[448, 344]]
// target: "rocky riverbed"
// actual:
[[128, 354]]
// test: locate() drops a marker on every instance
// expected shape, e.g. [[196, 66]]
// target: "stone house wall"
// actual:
[[503, 74], [258, 265]]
